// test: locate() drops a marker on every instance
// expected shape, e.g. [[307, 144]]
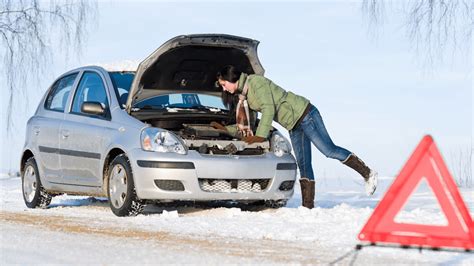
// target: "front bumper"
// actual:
[[192, 169]]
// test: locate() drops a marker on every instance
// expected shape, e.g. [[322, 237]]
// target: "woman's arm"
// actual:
[[265, 98]]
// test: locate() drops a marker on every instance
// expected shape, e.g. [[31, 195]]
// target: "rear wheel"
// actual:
[[121, 192], [34, 194]]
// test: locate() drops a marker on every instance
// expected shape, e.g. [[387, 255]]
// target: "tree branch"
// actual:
[[25, 30]]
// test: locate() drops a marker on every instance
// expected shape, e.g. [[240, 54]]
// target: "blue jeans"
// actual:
[[312, 130]]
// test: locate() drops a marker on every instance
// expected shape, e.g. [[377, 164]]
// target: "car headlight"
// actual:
[[159, 140], [280, 145]]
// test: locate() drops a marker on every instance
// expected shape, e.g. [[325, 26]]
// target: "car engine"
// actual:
[[208, 140]]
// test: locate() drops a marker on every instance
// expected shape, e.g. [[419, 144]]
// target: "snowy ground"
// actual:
[[84, 230]]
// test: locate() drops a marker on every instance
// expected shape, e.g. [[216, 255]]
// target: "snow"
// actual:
[[125, 65], [73, 227]]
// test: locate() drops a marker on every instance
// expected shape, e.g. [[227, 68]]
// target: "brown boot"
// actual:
[[369, 175], [307, 192], [358, 165]]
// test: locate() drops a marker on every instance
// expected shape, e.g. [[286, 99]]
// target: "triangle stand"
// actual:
[[425, 163]]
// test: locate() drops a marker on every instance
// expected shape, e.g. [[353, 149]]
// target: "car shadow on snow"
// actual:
[[183, 207], [79, 202], [187, 207]]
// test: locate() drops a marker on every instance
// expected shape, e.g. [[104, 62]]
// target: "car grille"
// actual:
[[170, 185], [233, 185]]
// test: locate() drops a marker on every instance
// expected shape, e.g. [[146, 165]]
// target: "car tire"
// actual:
[[121, 192], [34, 194]]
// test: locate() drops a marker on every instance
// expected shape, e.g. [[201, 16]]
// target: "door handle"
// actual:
[[65, 134], [36, 130]]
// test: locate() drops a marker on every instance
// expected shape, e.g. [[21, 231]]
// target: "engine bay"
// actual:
[[208, 140], [205, 139]]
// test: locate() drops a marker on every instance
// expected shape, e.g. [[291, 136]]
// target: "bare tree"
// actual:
[[435, 27], [461, 165], [28, 33]]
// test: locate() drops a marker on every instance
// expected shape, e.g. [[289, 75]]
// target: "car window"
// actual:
[[90, 89], [59, 94], [181, 100], [122, 82]]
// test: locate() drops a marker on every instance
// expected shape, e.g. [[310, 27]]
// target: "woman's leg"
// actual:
[[313, 127], [302, 147]]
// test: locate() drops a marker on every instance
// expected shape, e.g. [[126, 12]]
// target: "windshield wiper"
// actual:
[[148, 107], [180, 106], [196, 107]]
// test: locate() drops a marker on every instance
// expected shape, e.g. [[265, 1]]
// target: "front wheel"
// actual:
[[121, 193], [34, 194]]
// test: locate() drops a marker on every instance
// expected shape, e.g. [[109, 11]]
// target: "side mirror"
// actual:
[[94, 108]]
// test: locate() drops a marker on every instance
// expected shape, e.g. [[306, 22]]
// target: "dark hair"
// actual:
[[231, 74]]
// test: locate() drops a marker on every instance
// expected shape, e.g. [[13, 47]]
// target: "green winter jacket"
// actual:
[[273, 102]]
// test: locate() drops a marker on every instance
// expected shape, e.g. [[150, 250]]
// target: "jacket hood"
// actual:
[[189, 64]]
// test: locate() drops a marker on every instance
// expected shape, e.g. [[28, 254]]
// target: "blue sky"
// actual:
[[376, 97]]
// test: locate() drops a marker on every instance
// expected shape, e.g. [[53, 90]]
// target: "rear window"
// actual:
[[59, 94]]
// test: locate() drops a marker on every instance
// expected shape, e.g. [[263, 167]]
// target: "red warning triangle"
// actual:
[[425, 162]]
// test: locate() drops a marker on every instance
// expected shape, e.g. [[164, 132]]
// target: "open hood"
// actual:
[[189, 64]]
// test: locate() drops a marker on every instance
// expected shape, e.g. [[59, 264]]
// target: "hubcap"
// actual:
[[118, 186], [29, 183]]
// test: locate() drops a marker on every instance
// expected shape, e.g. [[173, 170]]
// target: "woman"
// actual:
[[296, 114]]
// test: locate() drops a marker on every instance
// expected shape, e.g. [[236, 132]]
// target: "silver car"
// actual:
[[144, 136]]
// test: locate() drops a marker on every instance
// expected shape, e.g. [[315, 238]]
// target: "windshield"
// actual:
[[122, 82], [181, 100]]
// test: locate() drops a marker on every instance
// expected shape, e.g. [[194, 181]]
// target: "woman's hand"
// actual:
[[218, 126], [253, 139]]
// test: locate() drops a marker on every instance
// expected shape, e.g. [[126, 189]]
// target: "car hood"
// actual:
[[189, 64]]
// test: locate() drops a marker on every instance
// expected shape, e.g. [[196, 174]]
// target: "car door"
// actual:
[[83, 137], [45, 126]]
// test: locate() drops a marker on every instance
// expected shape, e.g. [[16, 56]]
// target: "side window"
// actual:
[[90, 89], [59, 94]]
